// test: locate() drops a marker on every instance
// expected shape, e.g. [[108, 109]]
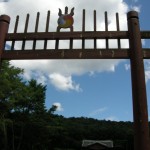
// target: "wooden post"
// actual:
[[140, 113], [4, 24]]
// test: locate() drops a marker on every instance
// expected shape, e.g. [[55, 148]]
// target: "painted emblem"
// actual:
[[65, 20]]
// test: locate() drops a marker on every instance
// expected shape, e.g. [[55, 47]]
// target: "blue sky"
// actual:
[[88, 88], [105, 96]]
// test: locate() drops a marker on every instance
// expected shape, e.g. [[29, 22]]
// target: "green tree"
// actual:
[[22, 109], [32, 99], [10, 86]]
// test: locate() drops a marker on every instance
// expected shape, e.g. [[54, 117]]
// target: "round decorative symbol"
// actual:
[[65, 21]]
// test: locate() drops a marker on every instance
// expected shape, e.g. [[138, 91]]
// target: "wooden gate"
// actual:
[[135, 53]]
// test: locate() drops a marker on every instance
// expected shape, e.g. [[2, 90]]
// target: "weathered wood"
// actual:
[[140, 111], [118, 29], [47, 28], [95, 44], [83, 29], [106, 28], [67, 54], [66, 35], [36, 28], [25, 31], [15, 31]]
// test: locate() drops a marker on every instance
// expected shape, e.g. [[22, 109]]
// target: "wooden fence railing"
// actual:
[[73, 53]]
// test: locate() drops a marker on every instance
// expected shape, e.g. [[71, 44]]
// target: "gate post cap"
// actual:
[[5, 18], [132, 14]]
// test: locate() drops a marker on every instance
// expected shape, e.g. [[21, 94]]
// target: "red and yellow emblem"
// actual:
[[65, 20]]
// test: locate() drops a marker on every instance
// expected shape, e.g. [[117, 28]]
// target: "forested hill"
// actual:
[[49, 131], [71, 131], [26, 124]]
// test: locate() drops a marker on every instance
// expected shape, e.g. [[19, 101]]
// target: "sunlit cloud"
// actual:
[[127, 67], [112, 118], [63, 83], [59, 106], [136, 8]]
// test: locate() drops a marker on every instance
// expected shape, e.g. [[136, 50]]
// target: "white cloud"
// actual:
[[91, 73], [143, 42], [147, 75], [127, 66], [65, 69], [63, 83], [41, 79], [60, 72], [98, 111], [37, 75], [136, 8], [147, 70], [59, 106], [112, 118]]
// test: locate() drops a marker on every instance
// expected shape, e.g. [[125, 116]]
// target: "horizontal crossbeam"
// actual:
[[145, 34], [71, 54], [67, 54], [73, 35], [67, 35]]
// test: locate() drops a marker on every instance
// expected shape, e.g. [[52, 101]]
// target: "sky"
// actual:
[[99, 89]]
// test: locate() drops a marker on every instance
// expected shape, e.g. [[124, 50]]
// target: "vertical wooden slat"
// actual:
[[66, 10], [83, 21], [25, 30], [36, 29], [58, 30], [117, 22], [47, 28], [83, 29], [106, 21], [16, 24], [57, 40], [95, 20], [95, 44], [15, 31], [57, 44], [71, 44], [37, 22], [26, 23], [71, 29], [106, 28], [118, 29], [47, 21]]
